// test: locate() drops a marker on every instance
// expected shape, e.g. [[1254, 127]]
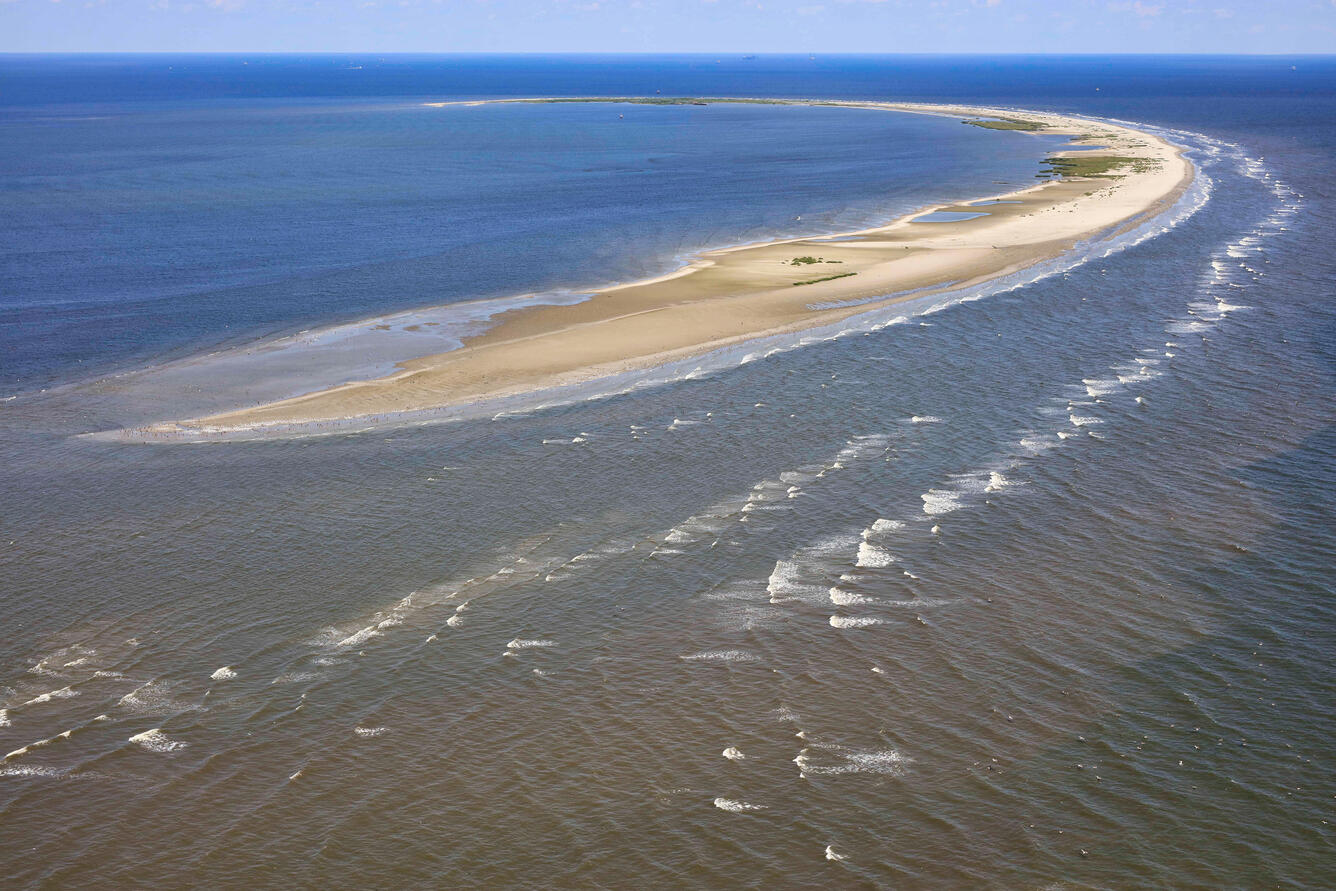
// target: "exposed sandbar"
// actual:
[[728, 296]]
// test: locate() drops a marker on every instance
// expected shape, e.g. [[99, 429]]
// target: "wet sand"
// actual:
[[725, 297]]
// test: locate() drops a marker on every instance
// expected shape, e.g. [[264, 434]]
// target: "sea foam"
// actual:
[[841, 597], [940, 501], [62, 693], [881, 527], [156, 741], [833, 760], [721, 656], [873, 556], [737, 807], [854, 621], [528, 644]]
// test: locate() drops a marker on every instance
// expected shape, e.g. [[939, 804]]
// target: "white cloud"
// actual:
[[1141, 10]]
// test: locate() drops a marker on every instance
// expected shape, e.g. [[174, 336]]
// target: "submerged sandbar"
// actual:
[[730, 296]]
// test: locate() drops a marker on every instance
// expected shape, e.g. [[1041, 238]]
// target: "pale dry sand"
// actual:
[[724, 297]]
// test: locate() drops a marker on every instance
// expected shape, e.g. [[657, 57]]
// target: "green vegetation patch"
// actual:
[[826, 279], [807, 261], [661, 100], [675, 100], [686, 100], [1096, 166], [1007, 124]]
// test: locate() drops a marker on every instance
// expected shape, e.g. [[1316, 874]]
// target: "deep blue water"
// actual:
[[74, 80], [511, 652]]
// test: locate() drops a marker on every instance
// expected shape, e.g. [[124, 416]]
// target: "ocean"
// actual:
[[1034, 589]]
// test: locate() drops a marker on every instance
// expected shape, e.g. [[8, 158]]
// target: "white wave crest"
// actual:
[[24, 770], [881, 527], [62, 693], [38, 744], [1100, 387], [803, 575], [1037, 444], [156, 741], [841, 597], [854, 621], [528, 644], [940, 501], [295, 677], [873, 556], [833, 760], [737, 807], [721, 656], [1187, 326]]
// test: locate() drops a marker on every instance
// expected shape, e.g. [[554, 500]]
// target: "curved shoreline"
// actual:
[[735, 295]]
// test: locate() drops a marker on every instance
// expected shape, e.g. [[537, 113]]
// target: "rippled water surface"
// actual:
[[1033, 590]]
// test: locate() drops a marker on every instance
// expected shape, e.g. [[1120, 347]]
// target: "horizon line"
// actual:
[[732, 52]]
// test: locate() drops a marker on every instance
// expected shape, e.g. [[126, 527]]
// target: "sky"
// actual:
[[638, 26]]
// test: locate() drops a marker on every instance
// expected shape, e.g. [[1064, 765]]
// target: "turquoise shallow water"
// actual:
[[1031, 590], [947, 216]]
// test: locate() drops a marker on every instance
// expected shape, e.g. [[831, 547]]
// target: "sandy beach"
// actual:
[[725, 297]]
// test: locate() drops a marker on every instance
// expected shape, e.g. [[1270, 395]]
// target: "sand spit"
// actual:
[[727, 297]]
